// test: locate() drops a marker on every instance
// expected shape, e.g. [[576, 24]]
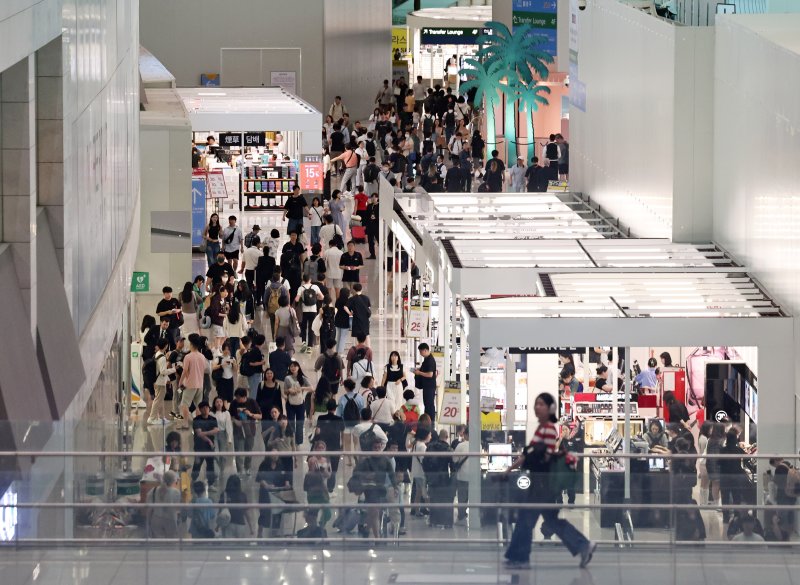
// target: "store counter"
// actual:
[[649, 486]]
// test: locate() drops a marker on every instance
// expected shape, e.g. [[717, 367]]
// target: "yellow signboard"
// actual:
[[491, 421], [400, 38]]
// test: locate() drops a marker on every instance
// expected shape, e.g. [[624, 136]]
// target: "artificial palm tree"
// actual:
[[485, 80], [530, 100], [519, 59]]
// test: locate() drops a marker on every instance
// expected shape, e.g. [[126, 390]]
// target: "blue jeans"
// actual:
[[519, 550], [341, 339], [212, 249], [253, 381], [297, 417], [315, 234], [294, 225]]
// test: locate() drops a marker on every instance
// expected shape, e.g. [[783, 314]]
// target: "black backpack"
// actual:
[[427, 124], [350, 411], [330, 368], [437, 469], [327, 328], [245, 369], [552, 151], [450, 119], [309, 296], [369, 145], [400, 163], [371, 172], [367, 438]]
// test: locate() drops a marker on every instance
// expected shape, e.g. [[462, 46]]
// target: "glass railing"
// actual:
[[344, 499]]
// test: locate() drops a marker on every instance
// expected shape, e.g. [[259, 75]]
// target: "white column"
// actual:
[[445, 325], [474, 422], [626, 443], [381, 269], [511, 389]]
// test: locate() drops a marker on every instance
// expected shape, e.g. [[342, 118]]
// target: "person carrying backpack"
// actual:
[[277, 288], [307, 296], [361, 367], [330, 365], [349, 408], [437, 476], [371, 173], [314, 266], [551, 152]]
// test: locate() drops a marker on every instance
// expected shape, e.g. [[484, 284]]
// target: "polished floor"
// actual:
[[415, 565]]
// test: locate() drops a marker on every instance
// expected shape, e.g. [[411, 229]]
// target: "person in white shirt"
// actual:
[[333, 272], [328, 230], [251, 256], [420, 91], [305, 292], [364, 426], [747, 534], [280, 146], [463, 468], [517, 173], [163, 370], [382, 408], [361, 151], [224, 438], [273, 244]]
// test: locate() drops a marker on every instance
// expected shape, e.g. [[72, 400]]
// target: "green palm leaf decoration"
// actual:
[[518, 58], [485, 80], [530, 99]]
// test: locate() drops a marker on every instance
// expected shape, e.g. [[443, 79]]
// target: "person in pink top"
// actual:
[[194, 368]]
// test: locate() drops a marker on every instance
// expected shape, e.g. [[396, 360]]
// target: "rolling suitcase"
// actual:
[[359, 234]]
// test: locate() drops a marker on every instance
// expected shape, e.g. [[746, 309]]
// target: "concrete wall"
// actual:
[[756, 149], [641, 149], [358, 37], [187, 35]]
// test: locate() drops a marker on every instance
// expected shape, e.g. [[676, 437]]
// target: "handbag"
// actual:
[[223, 517], [316, 324], [355, 220], [203, 245], [294, 327]]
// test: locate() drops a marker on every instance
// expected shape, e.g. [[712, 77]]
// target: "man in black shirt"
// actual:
[[455, 181], [371, 224], [244, 414], [295, 210], [264, 269], [170, 307], [359, 306], [279, 360], [205, 429], [350, 263], [602, 384], [217, 271], [501, 167], [425, 379], [293, 254], [536, 177], [330, 428], [337, 143]]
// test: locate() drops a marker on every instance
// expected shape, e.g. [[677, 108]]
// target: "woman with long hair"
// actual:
[[224, 438], [240, 525], [316, 213], [493, 177], [234, 326], [269, 395], [539, 457], [342, 320], [149, 336], [327, 328], [337, 208], [716, 441], [244, 296], [295, 387], [284, 317], [212, 235], [394, 380], [188, 301]]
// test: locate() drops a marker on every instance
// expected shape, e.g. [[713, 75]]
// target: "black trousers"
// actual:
[[198, 463], [306, 334], [372, 237]]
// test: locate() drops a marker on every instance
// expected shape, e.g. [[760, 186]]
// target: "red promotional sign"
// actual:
[[311, 178]]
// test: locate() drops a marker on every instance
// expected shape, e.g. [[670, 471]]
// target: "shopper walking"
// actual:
[[211, 235], [517, 173], [333, 269], [385, 96], [538, 459], [361, 311], [232, 242], [316, 213], [425, 380], [350, 160], [337, 208], [294, 210], [337, 109], [286, 325], [342, 320], [295, 388], [307, 297], [551, 152], [189, 310]]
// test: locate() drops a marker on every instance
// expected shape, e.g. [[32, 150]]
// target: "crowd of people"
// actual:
[[423, 138]]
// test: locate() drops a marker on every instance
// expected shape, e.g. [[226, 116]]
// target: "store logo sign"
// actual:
[[523, 482], [720, 416]]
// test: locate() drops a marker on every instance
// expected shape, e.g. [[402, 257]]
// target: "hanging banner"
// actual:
[[417, 323], [399, 39], [542, 16]]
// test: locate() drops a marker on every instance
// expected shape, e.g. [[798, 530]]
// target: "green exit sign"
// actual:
[[140, 282]]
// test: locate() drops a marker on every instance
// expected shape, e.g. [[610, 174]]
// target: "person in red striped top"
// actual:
[[543, 446]]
